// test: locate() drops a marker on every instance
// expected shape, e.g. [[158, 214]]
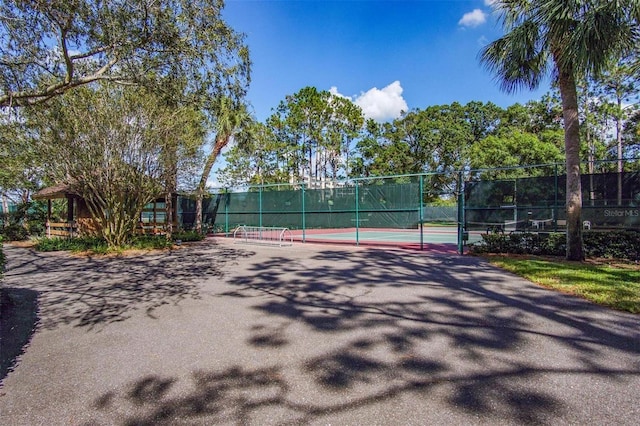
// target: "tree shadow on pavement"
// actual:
[[94, 291], [18, 317], [443, 332]]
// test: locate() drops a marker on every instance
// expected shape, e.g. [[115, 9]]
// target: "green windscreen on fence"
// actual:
[[535, 199], [390, 202], [609, 200], [371, 203]]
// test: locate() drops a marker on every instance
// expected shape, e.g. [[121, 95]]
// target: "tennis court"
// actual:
[[404, 212], [407, 238]]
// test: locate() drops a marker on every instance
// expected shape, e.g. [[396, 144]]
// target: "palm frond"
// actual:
[[513, 12], [519, 59], [586, 34], [604, 33]]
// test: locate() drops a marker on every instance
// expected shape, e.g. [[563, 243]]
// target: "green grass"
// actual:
[[614, 286]]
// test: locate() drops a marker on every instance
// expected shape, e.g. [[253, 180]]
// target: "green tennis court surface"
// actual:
[[430, 235]]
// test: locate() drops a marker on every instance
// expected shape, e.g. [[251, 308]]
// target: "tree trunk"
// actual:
[[199, 197], [619, 150], [310, 165], [589, 140], [169, 214], [171, 187], [5, 205], [592, 159], [568, 93], [220, 143]]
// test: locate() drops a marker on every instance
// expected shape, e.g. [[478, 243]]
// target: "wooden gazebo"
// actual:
[[79, 220], [76, 209]]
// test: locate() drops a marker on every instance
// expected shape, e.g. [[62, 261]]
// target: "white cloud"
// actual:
[[473, 19], [379, 104], [334, 92], [382, 104], [489, 2]]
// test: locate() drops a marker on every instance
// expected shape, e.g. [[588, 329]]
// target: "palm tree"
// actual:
[[566, 39], [230, 117]]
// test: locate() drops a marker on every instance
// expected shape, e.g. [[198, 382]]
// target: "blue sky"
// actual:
[[386, 56]]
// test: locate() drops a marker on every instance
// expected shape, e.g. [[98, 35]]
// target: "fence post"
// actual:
[[460, 214], [260, 206], [227, 198], [421, 213], [555, 198], [357, 215], [304, 214]]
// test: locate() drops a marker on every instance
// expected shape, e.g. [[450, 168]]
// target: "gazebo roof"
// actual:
[[60, 190]]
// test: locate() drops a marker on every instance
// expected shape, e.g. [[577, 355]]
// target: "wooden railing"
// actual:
[[70, 229], [61, 229], [151, 228]]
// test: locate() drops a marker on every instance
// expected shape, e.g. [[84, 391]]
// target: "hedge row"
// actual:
[[613, 245], [99, 245]]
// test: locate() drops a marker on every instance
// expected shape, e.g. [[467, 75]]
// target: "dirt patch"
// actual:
[[21, 244]]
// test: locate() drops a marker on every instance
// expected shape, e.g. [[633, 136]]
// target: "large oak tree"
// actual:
[[181, 50], [49, 47]]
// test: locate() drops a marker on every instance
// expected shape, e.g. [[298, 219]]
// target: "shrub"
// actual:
[[99, 245], [520, 243], [14, 232], [615, 244], [36, 228], [28, 219], [52, 244], [150, 242], [186, 236], [78, 244]]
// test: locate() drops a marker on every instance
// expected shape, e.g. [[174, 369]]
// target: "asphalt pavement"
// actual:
[[223, 333]]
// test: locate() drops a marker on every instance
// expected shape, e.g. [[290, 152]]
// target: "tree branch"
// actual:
[[25, 98]]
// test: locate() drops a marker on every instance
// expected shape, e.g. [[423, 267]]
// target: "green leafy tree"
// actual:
[[535, 116], [383, 152], [566, 39], [366, 150], [484, 118], [256, 157], [20, 174], [313, 132], [182, 50], [618, 85], [434, 140], [344, 126], [299, 122], [593, 128], [48, 48], [510, 149], [106, 144], [632, 135]]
